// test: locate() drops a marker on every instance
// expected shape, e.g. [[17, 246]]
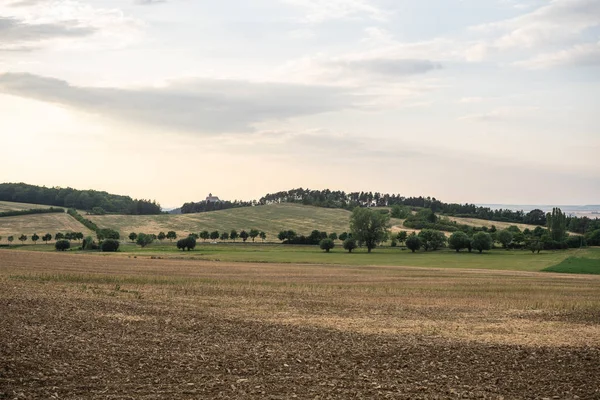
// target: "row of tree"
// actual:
[[80, 199], [47, 237], [206, 235]]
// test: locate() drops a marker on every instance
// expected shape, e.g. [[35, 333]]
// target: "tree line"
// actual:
[[206, 206], [32, 211], [81, 199]]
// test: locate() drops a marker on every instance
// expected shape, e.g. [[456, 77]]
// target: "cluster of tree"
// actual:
[[205, 206], [315, 237], [341, 199], [16, 213], [427, 219], [80, 199]]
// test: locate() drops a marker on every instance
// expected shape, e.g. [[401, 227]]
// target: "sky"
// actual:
[[479, 101]]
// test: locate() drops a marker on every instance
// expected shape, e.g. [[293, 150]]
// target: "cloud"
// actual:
[[501, 114], [13, 30], [559, 23], [149, 2], [202, 106], [388, 67], [317, 11], [579, 55]]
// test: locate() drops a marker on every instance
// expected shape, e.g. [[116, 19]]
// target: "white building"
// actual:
[[212, 199]]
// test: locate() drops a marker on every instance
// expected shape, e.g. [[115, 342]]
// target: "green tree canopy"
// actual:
[[350, 244], [505, 237], [458, 241], [481, 241], [432, 239], [326, 244], [369, 227], [413, 242]]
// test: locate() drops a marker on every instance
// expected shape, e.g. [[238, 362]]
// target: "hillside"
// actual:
[[270, 219], [11, 206], [40, 224]]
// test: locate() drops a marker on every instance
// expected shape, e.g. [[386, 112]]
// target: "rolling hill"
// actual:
[[40, 224], [10, 206], [271, 219]]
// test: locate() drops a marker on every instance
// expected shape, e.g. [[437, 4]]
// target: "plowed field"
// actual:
[[94, 327]]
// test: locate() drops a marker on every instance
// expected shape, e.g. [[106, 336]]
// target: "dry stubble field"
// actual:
[[87, 326]]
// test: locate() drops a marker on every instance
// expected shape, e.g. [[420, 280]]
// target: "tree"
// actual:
[[326, 244], [333, 236], [481, 241], [350, 244], [62, 245], [432, 239], [214, 235], [47, 237], [535, 217], [89, 244], [161, 236], [188, 243], [224, 236], [263, 236], [233, 235], [78, 236], [59, 236], [535, 245], [23, 238], [194, 235], [557, 224], [458, 241], [369, 227], [204, 235], [171, 235], [107, 233], [254, 234], [343, 236], [244, 235], [10, 239], [400, 212], [402, 235], [35, 238], [69, 236], [133, 236], [504, 237], [109, 245], [413, 242], [144, 240]]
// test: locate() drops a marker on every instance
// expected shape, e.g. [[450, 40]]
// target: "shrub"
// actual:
[[62, 245], [188, 243], [89, 244], [575, 242], [110, 245], [326, 244]]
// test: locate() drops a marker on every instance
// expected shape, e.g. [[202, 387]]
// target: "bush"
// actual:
[[326, 244], [575, 242], [188, 243], [89, 244], [593, 238], [62, 245], [109, 245], [350, 244]]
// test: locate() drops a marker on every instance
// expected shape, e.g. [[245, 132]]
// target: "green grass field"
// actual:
[[383, 256], [577, 265]]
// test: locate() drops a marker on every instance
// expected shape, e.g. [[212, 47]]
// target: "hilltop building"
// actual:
[[212, 199]]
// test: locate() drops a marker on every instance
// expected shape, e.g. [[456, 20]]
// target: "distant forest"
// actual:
[[340, 199], [89, 200]]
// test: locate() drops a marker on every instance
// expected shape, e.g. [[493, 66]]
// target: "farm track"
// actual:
[[71, 336]]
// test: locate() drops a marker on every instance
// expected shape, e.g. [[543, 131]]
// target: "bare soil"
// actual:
[[74, 327]]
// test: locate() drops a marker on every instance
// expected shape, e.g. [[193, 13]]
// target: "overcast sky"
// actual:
[[484, 101]]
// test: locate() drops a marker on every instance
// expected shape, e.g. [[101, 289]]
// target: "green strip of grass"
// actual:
[[575, 265]]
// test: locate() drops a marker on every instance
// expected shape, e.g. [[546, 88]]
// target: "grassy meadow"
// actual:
[[12, 206], [40, 224]]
